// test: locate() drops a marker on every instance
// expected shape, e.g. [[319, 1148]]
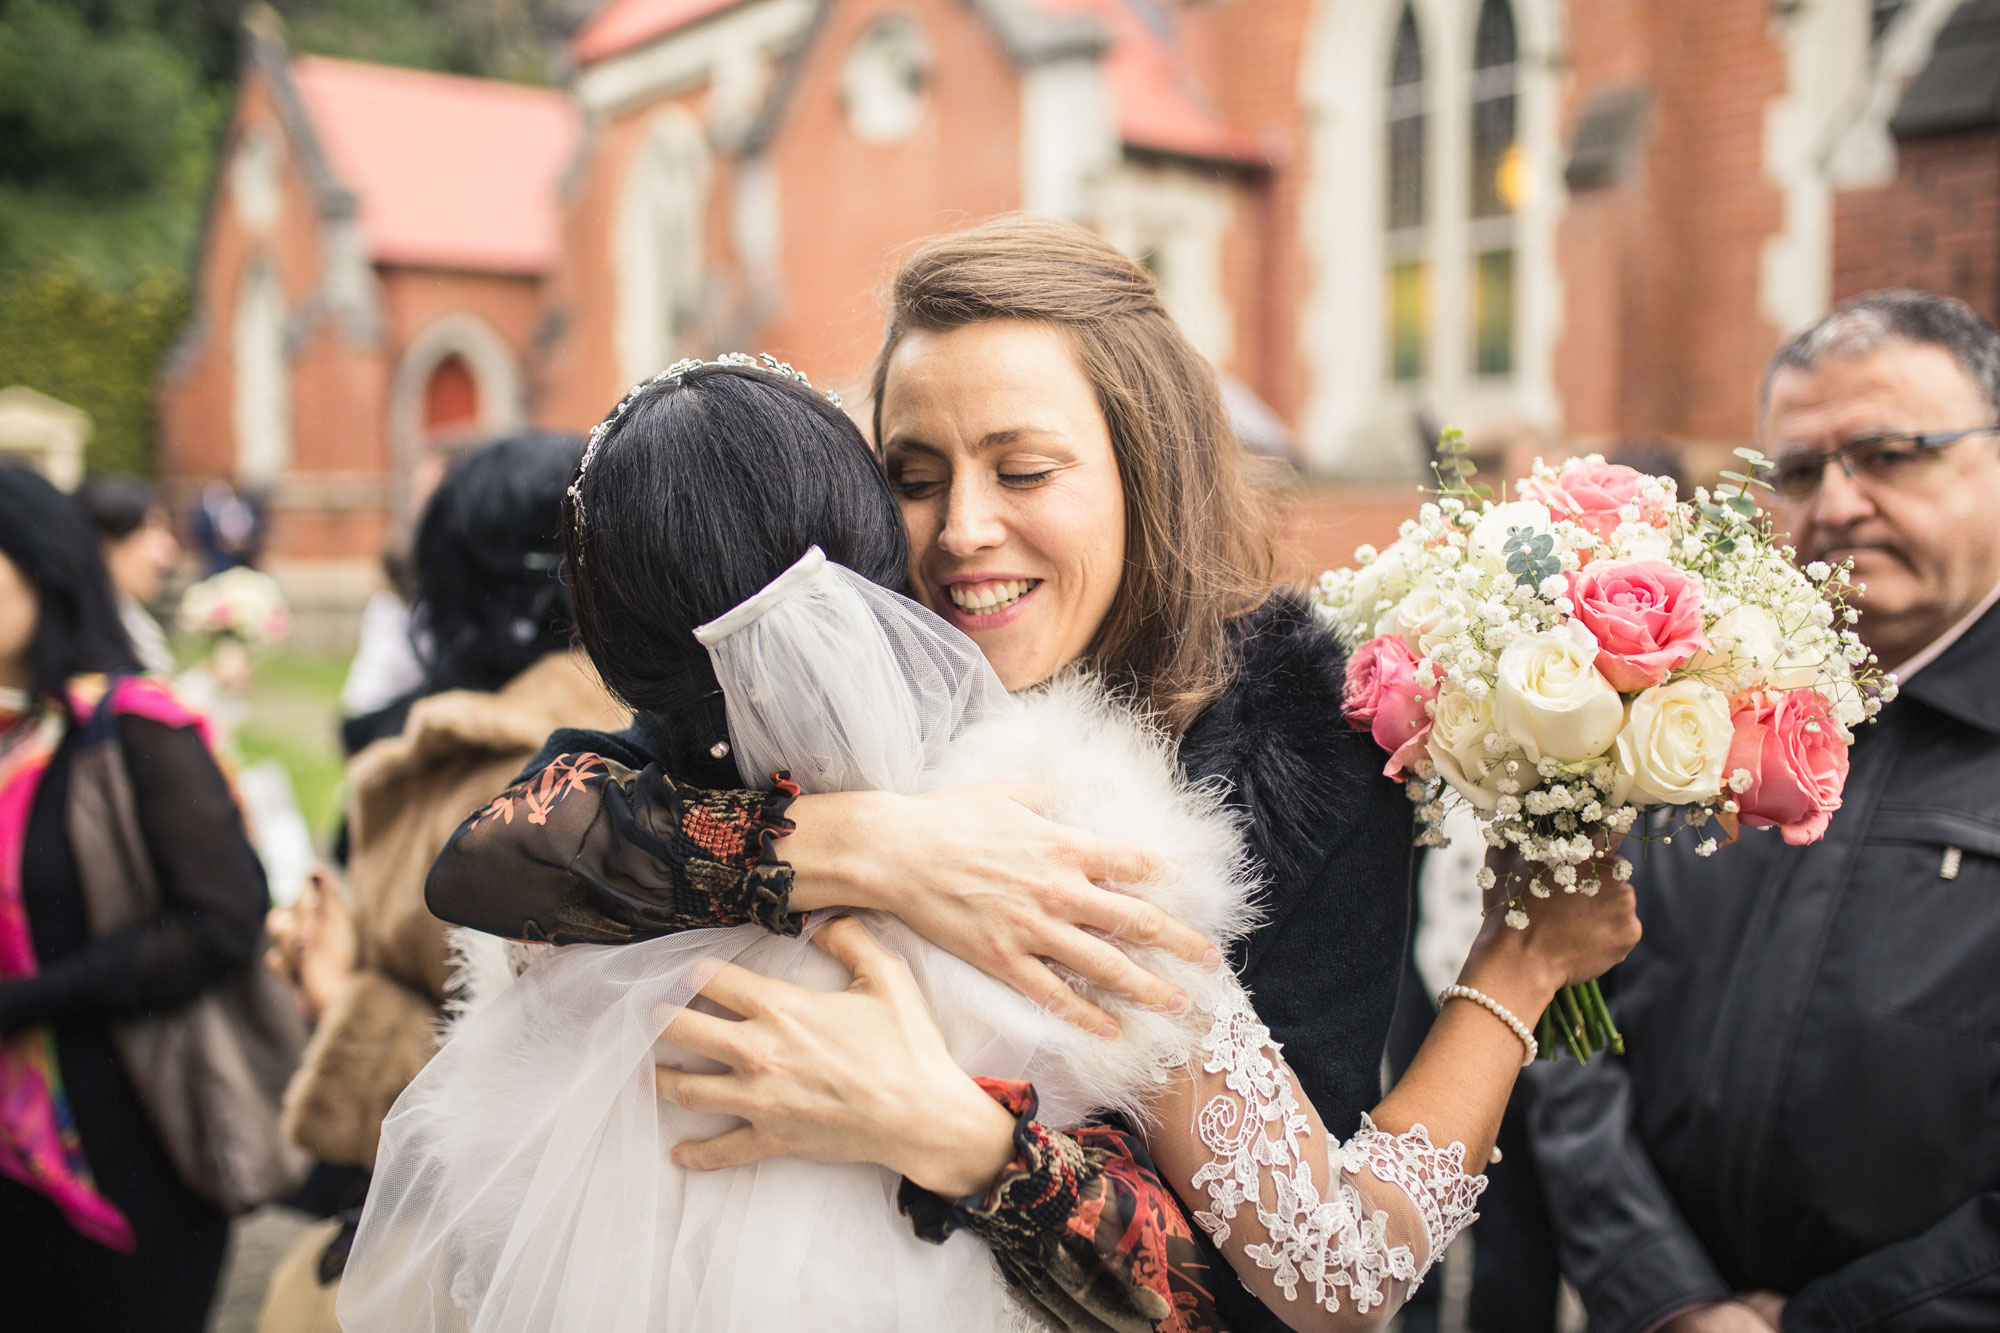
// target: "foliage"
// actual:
[[111, 116], [94, 346]]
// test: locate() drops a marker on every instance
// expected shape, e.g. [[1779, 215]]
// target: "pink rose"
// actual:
[[1645, 614], [1591, 494], [1796, 760], [1384, 699]]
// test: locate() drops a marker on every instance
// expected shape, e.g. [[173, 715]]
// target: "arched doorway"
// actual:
[[451, 399]]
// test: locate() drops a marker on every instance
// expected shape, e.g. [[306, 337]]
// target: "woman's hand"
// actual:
[[314, 942], [860, 1075], [1570, 938], [977, 872]]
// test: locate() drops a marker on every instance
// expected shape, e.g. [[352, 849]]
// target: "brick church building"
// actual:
[[1553, 223]]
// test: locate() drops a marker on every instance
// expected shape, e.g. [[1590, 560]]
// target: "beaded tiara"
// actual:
[[672, 375]]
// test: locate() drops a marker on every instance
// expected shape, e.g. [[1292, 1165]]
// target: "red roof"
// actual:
[[1159, 106], [624, 24], [450, 172]]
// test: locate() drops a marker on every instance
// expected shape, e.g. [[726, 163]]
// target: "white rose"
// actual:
[[1744, 643], [1428, 615], [1487, 542], [1460, 725], [1675, 740], [1551, 699]]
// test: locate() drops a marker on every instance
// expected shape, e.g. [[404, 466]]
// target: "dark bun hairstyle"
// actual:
[[705, 487], [490, 601]]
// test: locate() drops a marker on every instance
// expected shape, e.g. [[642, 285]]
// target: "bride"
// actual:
[[525, 1179]]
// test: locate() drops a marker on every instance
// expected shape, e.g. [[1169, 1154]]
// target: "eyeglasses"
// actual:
[[1896, 461]]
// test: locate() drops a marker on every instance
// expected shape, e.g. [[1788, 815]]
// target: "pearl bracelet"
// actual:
[[1499, 1011]]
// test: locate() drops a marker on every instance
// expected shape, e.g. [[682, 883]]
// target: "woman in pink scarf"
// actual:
[[101, 1232]]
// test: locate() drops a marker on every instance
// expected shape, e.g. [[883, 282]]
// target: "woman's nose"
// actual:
[[971, 520]]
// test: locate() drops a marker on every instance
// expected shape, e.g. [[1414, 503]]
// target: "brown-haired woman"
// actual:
[[1072, 496]]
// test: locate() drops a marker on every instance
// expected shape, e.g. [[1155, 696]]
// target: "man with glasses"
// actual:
[[1805, 1130]]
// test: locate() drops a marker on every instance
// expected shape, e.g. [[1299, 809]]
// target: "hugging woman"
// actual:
[[1071, 497]]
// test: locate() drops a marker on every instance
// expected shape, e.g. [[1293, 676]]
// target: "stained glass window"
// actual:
[[1406, 201]]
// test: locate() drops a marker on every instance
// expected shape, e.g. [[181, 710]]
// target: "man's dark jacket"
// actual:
[[1810, 1103]]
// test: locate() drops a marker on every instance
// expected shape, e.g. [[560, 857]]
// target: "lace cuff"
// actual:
[[1391, 1203]]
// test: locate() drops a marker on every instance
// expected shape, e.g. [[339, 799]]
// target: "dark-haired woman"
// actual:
[[697, 487], [140, 549], [499, 677], [100, 1231]]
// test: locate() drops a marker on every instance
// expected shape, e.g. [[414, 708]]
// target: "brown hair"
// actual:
[[1198, 545]]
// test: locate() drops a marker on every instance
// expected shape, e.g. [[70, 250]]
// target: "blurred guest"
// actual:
[[499, 677], [101, 1231], [228, 528], [1801, 1134], [140, 550], [386, 671]]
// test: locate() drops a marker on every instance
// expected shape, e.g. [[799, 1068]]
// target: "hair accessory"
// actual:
[[1499, 1011], [672, 375]]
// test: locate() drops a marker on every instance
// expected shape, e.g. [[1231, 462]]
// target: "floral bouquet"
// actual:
[[1593, 649], [240, 604]]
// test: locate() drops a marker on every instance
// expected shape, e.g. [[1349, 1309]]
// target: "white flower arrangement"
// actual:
[[243, 604], [1592, 649]]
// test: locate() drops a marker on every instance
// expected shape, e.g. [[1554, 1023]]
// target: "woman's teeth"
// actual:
[[985, 599]]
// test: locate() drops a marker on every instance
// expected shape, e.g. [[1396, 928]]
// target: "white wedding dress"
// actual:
[[523, 1181]]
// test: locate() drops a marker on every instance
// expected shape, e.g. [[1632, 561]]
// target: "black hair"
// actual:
[[116, 504], [77, 630], [1876, 319], [703, 489], [489, 598]]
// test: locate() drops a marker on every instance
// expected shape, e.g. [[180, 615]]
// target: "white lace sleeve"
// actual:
[[1355, 1225]]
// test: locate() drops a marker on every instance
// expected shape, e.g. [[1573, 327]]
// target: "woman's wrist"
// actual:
[[960, 1149], [830, 850], [1505, 965]]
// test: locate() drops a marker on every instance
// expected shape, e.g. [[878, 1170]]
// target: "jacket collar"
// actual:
[[1961, 682]]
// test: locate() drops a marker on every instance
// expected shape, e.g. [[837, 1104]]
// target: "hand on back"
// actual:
[[979, 873]]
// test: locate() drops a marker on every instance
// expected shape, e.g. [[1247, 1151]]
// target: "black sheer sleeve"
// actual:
[[586, 849], [212, 893]]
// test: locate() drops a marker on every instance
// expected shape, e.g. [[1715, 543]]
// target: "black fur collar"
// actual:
[[1277, 737]]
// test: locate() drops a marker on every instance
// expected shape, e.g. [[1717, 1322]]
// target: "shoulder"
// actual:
[[1306, 779], [504, 726]]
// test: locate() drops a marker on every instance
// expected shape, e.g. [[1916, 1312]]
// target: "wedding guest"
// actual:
[[140, 550], [1800, 1134], [101, 1229], [499, 676]]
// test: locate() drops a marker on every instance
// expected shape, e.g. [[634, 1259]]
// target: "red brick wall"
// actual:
[[1936, 226], [851, 208], [1662, 335]]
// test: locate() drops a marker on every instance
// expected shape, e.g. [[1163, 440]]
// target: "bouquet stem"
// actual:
[[1579, 1019]]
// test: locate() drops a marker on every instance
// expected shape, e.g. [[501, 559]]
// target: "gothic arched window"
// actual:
[[1406, 199], [661, 246], [1495, 187]]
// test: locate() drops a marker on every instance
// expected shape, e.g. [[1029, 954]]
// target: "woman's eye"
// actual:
[[914, 488], [1027, 478]]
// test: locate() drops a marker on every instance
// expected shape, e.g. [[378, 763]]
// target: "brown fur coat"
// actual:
[[410, 792]]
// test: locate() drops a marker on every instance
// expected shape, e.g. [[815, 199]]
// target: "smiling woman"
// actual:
[[1046, 423], [1074, 502]]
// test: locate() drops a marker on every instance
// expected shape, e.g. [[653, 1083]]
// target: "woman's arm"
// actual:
[[589, 850], [212, 895], [1329, 1235]]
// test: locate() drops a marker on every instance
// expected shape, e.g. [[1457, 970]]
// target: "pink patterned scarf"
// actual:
[[39, 1145]]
